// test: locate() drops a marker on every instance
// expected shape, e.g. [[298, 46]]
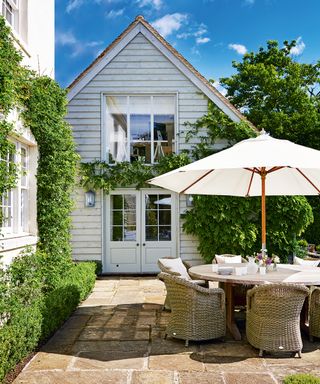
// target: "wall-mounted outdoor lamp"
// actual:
[[90, 199], [189, 200]]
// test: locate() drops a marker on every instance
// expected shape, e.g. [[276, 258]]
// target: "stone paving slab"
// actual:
[[117, 336]]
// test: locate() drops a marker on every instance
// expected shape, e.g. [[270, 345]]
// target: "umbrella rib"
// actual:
[[196, 181], [250, 183], [306, 177], [275, 169]]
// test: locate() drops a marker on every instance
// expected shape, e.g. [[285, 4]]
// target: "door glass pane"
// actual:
[[165, 233], [151, 217], [165, 217], [117, 218], [123, 217], [116, 125], [158, 217], [116, 202], [117, 234], [151, 233], [129, 233]]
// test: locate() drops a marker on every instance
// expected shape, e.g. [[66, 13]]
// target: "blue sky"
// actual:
[[209, 33]]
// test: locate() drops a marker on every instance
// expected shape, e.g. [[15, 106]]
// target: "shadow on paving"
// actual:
[[117, 336]]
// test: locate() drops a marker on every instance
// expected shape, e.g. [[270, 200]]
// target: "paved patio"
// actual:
[[116, 336]]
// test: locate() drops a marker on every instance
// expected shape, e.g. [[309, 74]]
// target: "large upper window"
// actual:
[[9, 10], [14, 203], [140, 127]]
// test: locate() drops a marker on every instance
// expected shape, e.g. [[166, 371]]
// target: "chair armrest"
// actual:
[[191, 263], [250, 294]]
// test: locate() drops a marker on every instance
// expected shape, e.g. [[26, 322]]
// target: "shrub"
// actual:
[[61, 300], [301, 378], [31, 309]]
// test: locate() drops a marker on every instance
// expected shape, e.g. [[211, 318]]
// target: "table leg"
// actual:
[[231, 324]]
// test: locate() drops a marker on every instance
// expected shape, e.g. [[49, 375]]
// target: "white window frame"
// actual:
[[106, 136], [19, 222], [14, 4]]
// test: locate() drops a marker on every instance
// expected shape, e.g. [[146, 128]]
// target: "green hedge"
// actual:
[[301, 378], [30, 309]]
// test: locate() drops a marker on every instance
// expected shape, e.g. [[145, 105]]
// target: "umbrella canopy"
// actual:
[[254, 167]]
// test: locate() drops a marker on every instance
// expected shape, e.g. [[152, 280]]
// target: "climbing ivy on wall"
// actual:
[[10, 86], [44, 114], [43, 105]]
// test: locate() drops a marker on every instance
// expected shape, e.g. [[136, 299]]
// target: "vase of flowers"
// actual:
[[275, 260]]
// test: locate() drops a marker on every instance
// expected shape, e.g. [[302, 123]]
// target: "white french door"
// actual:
[[140, 228]]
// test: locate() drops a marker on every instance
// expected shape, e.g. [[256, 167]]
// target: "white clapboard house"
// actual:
[[132, 102]]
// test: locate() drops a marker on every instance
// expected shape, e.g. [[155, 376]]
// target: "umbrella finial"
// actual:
[[263, 132]]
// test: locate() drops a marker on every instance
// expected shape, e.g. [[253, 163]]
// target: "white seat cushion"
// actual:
[[220, 259], [176, 265], [299, 261]]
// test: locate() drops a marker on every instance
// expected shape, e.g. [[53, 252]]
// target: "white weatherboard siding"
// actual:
[[139, 68]]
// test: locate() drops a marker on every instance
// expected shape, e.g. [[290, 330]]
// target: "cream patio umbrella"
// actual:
[[253, 167]]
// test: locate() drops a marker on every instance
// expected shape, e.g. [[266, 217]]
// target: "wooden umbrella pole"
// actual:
[[263, 208]]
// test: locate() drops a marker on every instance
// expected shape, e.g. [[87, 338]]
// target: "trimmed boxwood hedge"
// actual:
[[30, 309], [301, 378]]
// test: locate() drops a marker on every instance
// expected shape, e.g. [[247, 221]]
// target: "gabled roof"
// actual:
[[140, 25]]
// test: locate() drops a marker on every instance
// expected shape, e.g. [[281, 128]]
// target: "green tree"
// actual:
[[282, 96], [278, 93]]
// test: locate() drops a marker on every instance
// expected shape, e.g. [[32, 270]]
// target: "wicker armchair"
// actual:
[[182, 272], [273, 317], [243, 260], [314, 314], [198, 313]]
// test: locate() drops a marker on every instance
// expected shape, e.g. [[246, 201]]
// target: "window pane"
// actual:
[[164, 202], [164, 105], [129, 233], [24, 165], [141, 151], [129, 218], [117, 218], [116, 125], [151, 217], [116, 233], [151, 201], [129, 202], [165, 233], [116, 202], [140, 127], [151, 233], [165, 217], [24, 210]]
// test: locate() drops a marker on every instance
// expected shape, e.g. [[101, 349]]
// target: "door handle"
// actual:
[[144, 244], [137, 244]]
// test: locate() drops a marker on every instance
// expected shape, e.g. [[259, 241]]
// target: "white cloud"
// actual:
[[299, 48], [239, 48], [202, 40], [65, 38], [220, 88], [168, 24], [202, 29], [74, 4], [114, 14], [197, 32], [195, 51], [157, 4], [77, 47]]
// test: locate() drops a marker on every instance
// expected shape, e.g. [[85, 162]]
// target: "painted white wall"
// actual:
[[41, 36]]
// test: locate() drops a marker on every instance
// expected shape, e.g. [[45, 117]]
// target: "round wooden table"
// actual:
[[285, 273]]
